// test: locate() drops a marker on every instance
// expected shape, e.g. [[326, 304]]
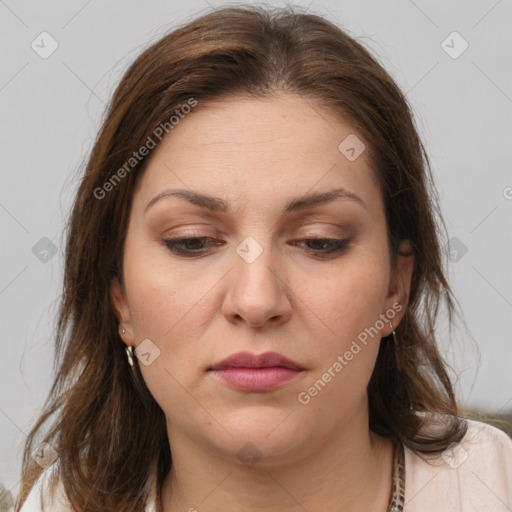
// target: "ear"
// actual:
[[122, 311], [400, 285]]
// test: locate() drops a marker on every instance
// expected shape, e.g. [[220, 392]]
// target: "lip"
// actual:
[[248, 360], [255, 372]]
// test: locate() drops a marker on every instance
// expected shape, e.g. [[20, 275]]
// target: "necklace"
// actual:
[[397, 498]]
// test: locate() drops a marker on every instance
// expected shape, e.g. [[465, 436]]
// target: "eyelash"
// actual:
[[338, 246]]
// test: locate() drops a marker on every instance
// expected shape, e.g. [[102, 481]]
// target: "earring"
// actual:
[[123, 331], [393, 331], [129, 354]]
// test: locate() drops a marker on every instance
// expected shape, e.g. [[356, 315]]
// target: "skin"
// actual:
[[257, 154]]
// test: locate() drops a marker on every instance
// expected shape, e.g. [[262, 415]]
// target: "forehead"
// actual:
[[263, 149]]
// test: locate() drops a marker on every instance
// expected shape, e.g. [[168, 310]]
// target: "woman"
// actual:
[[257, 221]]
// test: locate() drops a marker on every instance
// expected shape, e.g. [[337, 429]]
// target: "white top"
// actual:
[[475, 475]]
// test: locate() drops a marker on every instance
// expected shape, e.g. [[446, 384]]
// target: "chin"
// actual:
[[270, 438]]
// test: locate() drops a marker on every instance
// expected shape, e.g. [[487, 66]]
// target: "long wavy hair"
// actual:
[[106, 427]]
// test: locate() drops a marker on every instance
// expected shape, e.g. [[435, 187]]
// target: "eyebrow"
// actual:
[[216, 204]]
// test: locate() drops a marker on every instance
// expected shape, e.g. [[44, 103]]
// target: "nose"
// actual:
[[257, 292]]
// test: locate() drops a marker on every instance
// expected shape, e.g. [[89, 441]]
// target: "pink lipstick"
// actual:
[[255, 373]]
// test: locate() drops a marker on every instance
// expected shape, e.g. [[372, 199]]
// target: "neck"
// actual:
[[350, 472]]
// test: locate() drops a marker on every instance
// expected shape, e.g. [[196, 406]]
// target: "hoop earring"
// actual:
[[393, 331], [129, 354]]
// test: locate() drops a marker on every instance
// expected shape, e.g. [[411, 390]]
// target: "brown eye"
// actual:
[[326, 245], [188, 246]]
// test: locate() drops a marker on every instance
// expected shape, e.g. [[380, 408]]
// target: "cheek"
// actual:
[[159, 296], [353, 297], [169, 307], [349, 306]]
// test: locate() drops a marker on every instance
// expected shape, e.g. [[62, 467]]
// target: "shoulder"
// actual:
[[475, 474], [40, 499]]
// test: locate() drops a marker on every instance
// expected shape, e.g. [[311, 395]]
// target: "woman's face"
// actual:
[[250, 281]]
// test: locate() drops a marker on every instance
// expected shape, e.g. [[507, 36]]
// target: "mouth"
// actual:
[[255, 373]]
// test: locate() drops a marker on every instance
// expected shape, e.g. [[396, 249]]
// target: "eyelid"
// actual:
[[333, 231], [192, 232], [302, 224]]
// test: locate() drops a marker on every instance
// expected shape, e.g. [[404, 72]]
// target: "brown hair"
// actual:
[[108, 429]]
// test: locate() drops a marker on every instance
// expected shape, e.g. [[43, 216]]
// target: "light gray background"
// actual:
[[51, 110]]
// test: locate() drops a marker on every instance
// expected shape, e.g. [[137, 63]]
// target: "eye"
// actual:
[[326, 246], [188, 246], [192, 246]]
